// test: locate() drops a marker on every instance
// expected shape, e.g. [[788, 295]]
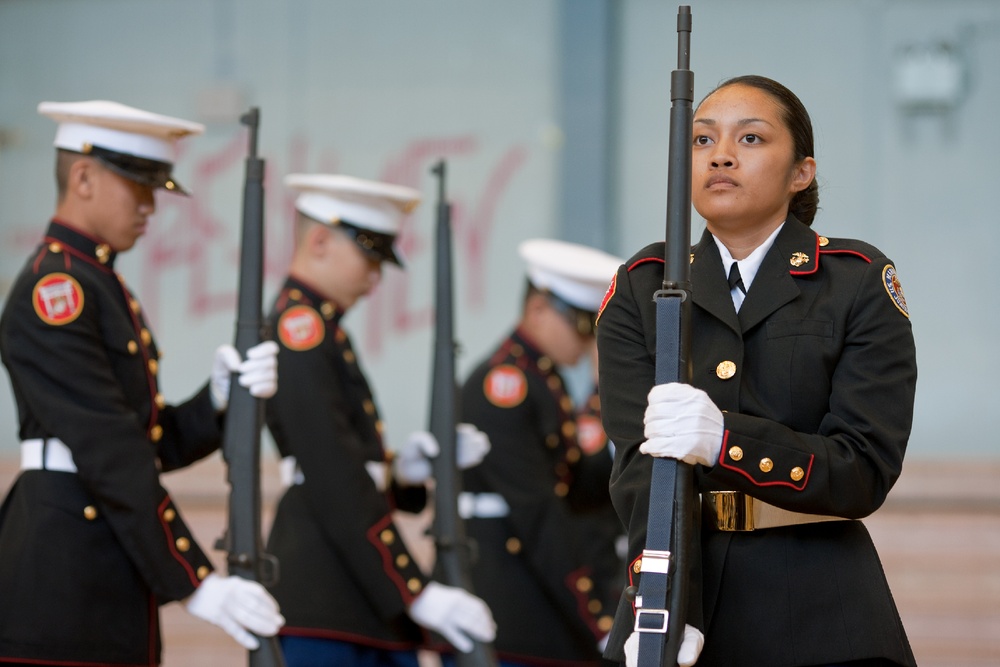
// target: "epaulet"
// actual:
[[651, 254], [848, 247]]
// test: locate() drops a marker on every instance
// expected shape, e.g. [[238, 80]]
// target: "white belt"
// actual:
[[482, 505], [46, 454]]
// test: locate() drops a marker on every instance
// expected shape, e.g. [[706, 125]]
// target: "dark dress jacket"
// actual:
[[345, 573], [87, 557], [534, 567], [820, 382]]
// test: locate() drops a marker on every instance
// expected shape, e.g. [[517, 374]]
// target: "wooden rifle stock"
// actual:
[[453, 549], [245, 415], [664, 584]]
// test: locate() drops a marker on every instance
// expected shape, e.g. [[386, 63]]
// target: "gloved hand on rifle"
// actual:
[[238, 606], [412, 465], [687, 654], [682, 423], [259, 372], [455, 614]]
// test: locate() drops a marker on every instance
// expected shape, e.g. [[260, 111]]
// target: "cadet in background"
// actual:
[[90, 543], [352, 592], [535, 561]]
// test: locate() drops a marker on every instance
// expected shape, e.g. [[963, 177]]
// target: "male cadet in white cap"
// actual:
[[352, 593], [90, 542], [552, 602]]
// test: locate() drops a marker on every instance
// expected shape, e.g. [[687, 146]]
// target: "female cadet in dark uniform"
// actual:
[[90, 542], [800, 404]]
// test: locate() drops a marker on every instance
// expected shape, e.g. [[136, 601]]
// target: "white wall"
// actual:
[[383, 88]]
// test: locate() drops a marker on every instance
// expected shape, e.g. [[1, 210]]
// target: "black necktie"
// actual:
[[735, 279]]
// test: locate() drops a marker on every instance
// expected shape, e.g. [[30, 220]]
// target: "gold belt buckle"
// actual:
[[732, 511]]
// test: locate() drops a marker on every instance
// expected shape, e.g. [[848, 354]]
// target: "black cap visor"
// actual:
[[151, 173]]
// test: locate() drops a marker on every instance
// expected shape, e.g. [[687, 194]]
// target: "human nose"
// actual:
[[722, 154]]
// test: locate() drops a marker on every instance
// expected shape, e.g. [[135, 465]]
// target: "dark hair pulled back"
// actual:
[[806, 202]]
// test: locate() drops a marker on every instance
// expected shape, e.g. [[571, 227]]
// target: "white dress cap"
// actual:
[[577, 274], [334, 199], [117, 128]]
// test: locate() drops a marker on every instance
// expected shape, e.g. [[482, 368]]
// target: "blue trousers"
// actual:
[[314, 652]]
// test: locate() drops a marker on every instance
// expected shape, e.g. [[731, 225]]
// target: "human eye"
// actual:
[[702, 140], [752, 138]]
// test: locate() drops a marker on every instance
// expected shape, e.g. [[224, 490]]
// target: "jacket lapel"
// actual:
[[795, 251], [710, 288]]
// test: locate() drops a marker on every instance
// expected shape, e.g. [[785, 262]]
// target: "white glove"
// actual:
[[682, 423], [455, 614], [259, 372], [412, 465], [687, 654], [473, 446], [238, 606]]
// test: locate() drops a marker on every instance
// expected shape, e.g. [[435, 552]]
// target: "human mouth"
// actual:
[[719, 182]]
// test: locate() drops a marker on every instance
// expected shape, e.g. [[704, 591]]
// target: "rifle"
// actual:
[[663, 586], [245, 416], [448, 530]]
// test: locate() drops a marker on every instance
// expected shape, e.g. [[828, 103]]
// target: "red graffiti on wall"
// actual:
[[193, 248]]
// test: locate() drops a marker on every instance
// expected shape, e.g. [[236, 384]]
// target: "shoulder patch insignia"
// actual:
[[505, 386], [57, 298], [895, 290], [301, 328], [590, 434], [607, 297]]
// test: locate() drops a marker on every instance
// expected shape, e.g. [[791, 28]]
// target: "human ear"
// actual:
[[803, 174]]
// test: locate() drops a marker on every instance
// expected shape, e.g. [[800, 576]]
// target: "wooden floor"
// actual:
[[938, 536]]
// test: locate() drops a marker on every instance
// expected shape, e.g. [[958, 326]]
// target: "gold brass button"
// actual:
[[561, 489], [414, 585], [552, 440], [637, 566], [797, 473], [387, 537], [554, 382], [823, 242], [569, 428], [766, 464], [516, 350], [340, 336], [134, 305], [146, 337], [513, 545], [295, 294], [55, 247], [133, 347], [154, 366], [584, 584], [160, 401], [169, 514], [566, 403], [604, 623], [103, 253], [544, 363], [327, 309], [594, 606], [89, 512], [725, 370], [203, 572], [402, 560], [349, 356], [183, 544], [369, 407], [736, 453], [379, 427], [156, 433], [573, 454]]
